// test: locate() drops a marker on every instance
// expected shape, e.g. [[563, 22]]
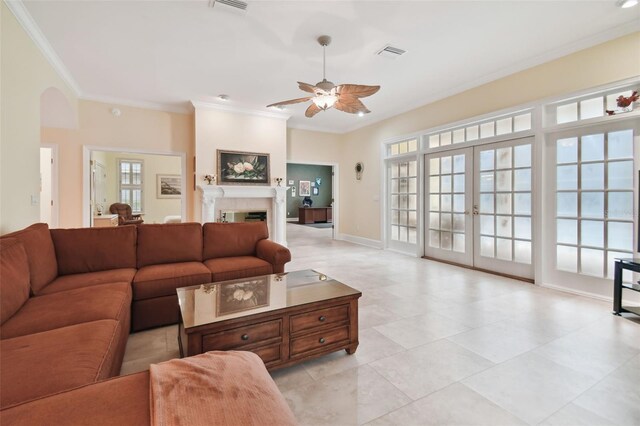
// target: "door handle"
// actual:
[[476, 212]]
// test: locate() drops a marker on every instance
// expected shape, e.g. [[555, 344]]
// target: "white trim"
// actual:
[[584, 293], [377, 244], [239, 110], [86, 175], [27, 22], [313, 128], [411, 253], [335, 189], [55, 197], [185, 108]]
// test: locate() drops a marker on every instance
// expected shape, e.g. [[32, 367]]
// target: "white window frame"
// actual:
[[131, 187]]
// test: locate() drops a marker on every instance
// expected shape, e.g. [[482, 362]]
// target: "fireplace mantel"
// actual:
[[278, 194]]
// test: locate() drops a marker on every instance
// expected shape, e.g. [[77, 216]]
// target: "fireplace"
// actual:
[[271, 200], [234, 216]]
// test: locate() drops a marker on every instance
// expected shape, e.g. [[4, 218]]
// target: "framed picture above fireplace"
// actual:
[[243, 168]]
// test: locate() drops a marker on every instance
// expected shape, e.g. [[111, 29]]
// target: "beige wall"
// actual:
[[155, 209], [24, 75], [136, 129], [360, 209], [215, 129], [307, 146]]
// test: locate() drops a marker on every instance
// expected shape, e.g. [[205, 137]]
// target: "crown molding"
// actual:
[[314, 128], [240, 110], [184, 108], [25, 19]]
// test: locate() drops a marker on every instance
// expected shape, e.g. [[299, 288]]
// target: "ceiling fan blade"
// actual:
[[307, 87], [312, 110], [350, 104], [291, 101], [357, 90]]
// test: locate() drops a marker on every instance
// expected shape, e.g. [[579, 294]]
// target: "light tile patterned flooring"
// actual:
[[445, 345]]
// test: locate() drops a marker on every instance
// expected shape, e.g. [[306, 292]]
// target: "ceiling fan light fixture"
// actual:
[[625, 4], [325, 102]]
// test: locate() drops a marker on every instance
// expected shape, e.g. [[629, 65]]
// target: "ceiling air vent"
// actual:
[[390, 52], [238, 4]]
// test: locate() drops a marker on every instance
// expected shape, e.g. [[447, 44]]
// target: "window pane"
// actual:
[[434, 184], [486, 182], [487, 224], [404, 169], [445, 222], [412, 145], [621, 144], [402, 148], [522, 204], [567, 258], [413, 168], [458, 203], [592, 176], [503, 158], [620, 205], [434, 166], [503, 226], [413, 219], [522, 122], [434, 141], [593, 204], [458, 183], [486, 203], [412, 235], [434, 202], [458, 222], [591, 108], [487, 130], [592, 262], [592, 148], [567, 204], [413, 202], [445, 138], [486, 246], [434, 239], [458, 163], [445, 165], [503, 180], [503, 203], [522, 228], [567, 113], [620, 236], [486, 160], [567, 150], [445, 203], [434, 221], [503, 126], [522, 154], [592, 233], [413, 188], [567, 177], [522, 251], [621, 175], [445, 240], [394, 170], [458, 243], [522, 180], [567, 231], [458, 136], [394, 151], [394, 186], [503, 249], [472, 133]]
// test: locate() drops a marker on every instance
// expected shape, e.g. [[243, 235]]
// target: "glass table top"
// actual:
[[210, 303]]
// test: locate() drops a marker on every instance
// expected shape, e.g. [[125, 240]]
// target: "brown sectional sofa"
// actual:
[[69, 297]]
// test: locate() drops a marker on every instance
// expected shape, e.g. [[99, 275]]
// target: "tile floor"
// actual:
[[445, 345]]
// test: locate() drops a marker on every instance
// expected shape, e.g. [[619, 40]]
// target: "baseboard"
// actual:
[[406, 253], [586, 294], [377, 244], [292, 219]]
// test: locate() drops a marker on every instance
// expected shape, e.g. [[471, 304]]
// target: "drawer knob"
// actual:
[[245, 337], [322, 318], [321, 340]]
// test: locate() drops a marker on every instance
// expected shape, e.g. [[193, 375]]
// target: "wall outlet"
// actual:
[[35, 200]]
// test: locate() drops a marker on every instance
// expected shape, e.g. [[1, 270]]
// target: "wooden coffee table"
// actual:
[[284, 318]]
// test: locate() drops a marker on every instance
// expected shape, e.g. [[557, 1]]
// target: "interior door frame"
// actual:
[[514, 269], [55, 210], [87, 216]]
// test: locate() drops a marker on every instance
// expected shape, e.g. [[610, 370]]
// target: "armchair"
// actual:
[[125, 216]]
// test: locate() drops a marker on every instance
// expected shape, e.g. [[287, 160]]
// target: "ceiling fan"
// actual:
[[343, 97]]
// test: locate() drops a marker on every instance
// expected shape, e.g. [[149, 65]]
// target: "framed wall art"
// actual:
[[168, 186], [305, 188], [243, 168]]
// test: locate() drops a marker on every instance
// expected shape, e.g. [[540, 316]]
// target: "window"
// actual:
[[131, 184], [594, 201], [403, 147], [403, 180]]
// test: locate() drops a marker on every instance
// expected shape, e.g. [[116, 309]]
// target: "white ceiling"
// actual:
[[166, 53]]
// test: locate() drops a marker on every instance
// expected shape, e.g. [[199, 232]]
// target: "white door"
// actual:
[[46, 186], [502, 208], [448, 200], [478, 205]]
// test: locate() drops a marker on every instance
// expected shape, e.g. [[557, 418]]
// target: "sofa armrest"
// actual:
[[273, 253]]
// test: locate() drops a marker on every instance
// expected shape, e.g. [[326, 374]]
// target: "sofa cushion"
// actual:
[[231, 268], [162, 280], [115, 402], [169, 243], [232, 239], [155, 312], [38, 244], [94, 249], [14, 277], [52, 361], [43, 313], [73, 281]]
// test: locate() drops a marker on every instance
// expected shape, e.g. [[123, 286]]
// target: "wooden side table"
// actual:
[[619, 285], [105, 220]]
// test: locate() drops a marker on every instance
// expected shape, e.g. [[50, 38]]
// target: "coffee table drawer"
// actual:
[[314, 341], [319, 318], [242, 336]]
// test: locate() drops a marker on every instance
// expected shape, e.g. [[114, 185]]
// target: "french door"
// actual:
[[479, 205]]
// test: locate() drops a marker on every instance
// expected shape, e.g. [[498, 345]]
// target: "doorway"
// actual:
[[153, 185], [49, 185], [478, 203], [312, 197]]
